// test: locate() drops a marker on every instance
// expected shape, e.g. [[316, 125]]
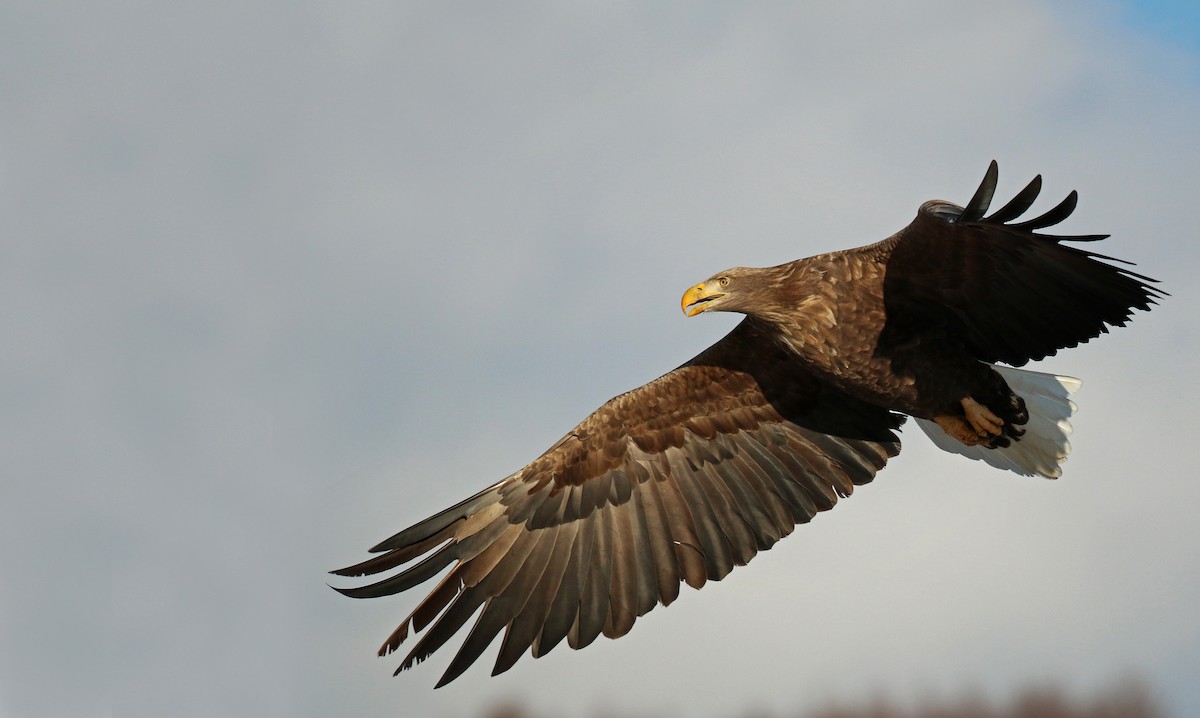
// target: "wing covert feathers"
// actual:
[[680, 480]]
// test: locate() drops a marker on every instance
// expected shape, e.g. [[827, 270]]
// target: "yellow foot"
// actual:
[[978, 425], [957, 427], [981, 418]]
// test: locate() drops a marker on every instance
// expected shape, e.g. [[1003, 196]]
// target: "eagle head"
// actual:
[[739, 289]]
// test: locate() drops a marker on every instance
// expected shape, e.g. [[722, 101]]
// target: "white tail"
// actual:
[[1045, 444]]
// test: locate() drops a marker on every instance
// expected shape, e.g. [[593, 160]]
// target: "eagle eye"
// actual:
[[723, 281]]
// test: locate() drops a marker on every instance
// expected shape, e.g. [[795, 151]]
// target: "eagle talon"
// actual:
[[981, 418], [996, 442], [958, 428]]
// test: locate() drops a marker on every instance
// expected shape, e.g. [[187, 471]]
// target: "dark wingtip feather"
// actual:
[[438, 522], [389, 560], [1060, 212], [982, 199], [1019, 204], [352, 593], [448, 676], [393, 642], [1078, 238], [419, 573]]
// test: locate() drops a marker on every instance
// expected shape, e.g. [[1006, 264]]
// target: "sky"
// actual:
[[280, 279]]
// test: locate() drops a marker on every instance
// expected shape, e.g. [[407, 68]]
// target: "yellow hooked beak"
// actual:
[[697, 299]]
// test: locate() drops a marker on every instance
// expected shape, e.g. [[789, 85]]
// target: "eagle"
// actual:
[[692, 474]]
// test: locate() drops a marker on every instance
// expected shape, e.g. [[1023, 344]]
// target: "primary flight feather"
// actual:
[[694, 473]]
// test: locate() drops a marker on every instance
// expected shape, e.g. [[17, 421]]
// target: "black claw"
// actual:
[[997, 442], [1020, 415]]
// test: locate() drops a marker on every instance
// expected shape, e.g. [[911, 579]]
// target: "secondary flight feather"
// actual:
[[694, 473]]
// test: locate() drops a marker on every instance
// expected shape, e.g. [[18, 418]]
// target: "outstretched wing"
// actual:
[[679, 480], [1008, 292]]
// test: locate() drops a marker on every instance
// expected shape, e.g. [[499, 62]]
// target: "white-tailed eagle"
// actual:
[[694, 473]]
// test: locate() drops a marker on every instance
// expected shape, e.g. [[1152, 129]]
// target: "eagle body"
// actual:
[[830, 312], [686, 477]]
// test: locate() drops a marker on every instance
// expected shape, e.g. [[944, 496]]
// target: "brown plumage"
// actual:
[[692, 474]]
